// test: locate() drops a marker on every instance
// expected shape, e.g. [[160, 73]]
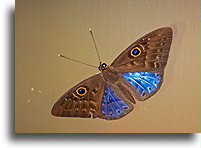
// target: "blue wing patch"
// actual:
[[145, 82], [112, 106]]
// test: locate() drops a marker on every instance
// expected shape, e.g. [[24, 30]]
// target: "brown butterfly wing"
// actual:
[[154, 52], [102, 100], [155, 48], [71, 104]]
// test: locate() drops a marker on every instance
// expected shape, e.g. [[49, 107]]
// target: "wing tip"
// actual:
[[168, 28]]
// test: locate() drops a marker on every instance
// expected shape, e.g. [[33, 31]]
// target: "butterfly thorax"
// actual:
[[110, 75]]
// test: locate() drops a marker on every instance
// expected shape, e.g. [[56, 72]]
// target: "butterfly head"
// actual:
[[102, 66]]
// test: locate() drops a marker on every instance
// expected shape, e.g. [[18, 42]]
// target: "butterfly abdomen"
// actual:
[[110, 76]]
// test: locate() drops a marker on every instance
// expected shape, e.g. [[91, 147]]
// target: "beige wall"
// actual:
[[45, 28]]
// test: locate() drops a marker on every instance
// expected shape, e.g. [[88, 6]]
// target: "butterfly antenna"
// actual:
[[90, 30], [62, 56]]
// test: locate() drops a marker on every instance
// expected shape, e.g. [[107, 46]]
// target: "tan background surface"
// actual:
[[45, 28]]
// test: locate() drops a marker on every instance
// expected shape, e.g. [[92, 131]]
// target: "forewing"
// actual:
[[154, 54], [75, 104]]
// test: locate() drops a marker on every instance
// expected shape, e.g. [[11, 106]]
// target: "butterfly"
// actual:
[[136, 74]]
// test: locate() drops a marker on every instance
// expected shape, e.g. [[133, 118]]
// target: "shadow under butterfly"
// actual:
[[137, 73]]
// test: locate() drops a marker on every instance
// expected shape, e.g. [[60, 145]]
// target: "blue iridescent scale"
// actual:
[[145, 82], [112, 105]]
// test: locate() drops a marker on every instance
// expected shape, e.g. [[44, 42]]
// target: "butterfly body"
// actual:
[[136, 74]]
